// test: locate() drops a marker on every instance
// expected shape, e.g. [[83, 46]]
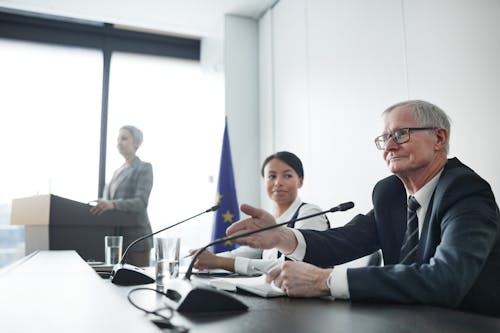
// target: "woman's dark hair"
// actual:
[[286, 157]]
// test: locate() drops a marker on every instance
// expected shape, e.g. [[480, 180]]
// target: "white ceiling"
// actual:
[[197, 18]]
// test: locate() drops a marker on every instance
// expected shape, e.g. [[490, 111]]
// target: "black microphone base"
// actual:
[[184, 296], [129, 275]]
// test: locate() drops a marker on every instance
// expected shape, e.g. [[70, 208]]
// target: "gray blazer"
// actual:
[[458, 261], [134, 186]]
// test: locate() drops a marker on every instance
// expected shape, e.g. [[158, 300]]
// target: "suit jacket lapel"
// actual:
[[426, 226], [125, 175], [431, 231]]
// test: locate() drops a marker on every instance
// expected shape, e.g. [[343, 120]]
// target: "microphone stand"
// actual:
[[128, 275], [183, 296]]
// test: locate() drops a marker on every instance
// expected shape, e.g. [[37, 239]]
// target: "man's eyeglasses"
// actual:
[[399, 136]]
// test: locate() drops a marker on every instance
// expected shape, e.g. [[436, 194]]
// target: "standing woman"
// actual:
[[129, 191], [283, 176]]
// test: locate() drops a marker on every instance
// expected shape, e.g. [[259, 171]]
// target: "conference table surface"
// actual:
[[285, 314], [56, 291]]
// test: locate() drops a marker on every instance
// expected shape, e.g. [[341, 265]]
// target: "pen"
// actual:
[[192, 253], [261, 270]]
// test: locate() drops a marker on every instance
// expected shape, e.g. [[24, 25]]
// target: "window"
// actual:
[[50, 125]]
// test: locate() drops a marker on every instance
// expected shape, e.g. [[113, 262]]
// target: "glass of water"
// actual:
[[167, 258], [113, 249]]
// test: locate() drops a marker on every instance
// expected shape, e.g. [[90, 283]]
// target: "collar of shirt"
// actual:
[[423, 197], [288, 214]]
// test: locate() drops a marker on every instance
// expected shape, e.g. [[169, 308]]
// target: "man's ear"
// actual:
[[441, 138]]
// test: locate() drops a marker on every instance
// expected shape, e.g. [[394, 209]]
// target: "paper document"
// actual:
[[255, 285], [220, 272]]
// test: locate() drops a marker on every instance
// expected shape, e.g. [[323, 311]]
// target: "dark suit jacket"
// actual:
[[132, 195], [458, 255]]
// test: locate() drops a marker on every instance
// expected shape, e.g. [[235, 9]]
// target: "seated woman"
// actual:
[[283, 176]]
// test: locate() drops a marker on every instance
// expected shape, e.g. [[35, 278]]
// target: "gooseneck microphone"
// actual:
[[129, 275], [342, 207], [184, 295]]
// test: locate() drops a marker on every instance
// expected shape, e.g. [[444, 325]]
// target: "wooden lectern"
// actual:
[[55, 223]]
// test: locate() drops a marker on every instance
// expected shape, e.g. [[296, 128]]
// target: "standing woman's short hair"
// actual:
[[286, 157], [136, 134]]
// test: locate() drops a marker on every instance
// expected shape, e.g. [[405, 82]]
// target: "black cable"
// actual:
[[155, 311], [164, 323]]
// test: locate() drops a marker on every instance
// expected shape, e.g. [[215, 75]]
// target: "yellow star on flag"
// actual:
[[228, 217], [219, 198]]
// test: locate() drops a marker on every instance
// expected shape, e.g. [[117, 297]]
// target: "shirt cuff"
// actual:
[[338, 284], [241, 265], [300, 251]]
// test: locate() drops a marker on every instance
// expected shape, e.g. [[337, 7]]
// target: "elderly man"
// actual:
[[435, 221]]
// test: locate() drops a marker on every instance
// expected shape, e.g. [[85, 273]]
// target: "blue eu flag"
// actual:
[[226, 197]]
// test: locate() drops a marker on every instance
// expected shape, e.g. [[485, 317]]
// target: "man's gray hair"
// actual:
[[426, 114]]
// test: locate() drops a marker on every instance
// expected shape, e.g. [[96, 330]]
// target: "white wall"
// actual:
[[242, 103], [266, 97], [337, 64], [454, 60]]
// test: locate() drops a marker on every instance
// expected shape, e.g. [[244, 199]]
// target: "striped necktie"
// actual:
[[410, 244]]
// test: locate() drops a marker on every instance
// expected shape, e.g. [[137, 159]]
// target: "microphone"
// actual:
[[128, 275], [183, 296], [342, 207]]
